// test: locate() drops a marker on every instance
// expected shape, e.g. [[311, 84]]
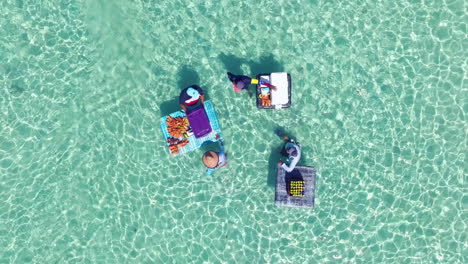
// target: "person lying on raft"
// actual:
[[242, 82], [291, 150], [191, 98], [215, 160]]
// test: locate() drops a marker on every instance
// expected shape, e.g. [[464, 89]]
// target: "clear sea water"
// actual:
[[379, 106]]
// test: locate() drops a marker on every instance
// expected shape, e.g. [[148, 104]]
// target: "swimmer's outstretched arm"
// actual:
[[221, 146], [292, 165], [255, 81], [220, 142]]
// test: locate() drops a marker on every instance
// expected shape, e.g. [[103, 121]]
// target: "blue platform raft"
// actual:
[[193, 142], [297, 188]]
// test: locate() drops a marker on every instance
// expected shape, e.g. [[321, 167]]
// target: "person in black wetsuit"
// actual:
[[291, 150], [191, 98], [294, 180], [242, 82]]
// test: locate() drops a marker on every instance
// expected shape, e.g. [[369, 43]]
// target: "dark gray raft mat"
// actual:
[[307, 174]]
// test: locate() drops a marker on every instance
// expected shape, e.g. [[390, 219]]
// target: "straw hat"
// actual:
[[210, 159]]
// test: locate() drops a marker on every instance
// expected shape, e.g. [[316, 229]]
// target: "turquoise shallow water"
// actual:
[[379, 104]]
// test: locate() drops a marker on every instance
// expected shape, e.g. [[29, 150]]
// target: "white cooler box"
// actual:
[[281, 98]]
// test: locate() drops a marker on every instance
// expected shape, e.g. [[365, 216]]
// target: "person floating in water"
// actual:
[[215, 160], [242, 82], [291, 149], [191, 98]]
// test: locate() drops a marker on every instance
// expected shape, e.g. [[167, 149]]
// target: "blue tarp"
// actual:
[[195, 143]]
